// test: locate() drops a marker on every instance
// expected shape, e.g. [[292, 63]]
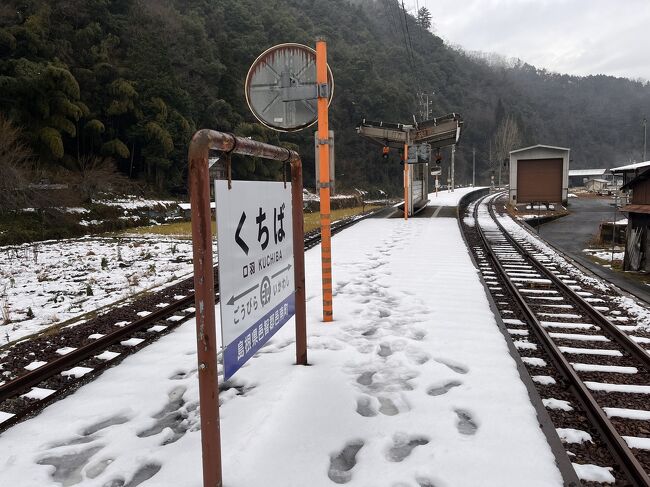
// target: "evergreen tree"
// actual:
[[424, 18]]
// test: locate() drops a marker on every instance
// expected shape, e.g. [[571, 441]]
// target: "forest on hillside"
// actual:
[[107, 93]]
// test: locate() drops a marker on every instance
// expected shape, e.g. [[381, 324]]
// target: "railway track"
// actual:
[[52, 366], [593, 376]]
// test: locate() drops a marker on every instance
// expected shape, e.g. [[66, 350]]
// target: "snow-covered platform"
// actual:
[[411, 385]]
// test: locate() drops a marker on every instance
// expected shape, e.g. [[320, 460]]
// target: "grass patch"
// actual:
[[177, 229], [184, 229], [312, 220]]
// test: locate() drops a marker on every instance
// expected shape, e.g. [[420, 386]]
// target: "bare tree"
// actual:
[[506, 139], [95, 175], [14, 159]]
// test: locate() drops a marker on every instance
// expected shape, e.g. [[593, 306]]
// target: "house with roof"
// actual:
[[630, 171], [637, 245], [597, 185], [539, 174], [580, 177]]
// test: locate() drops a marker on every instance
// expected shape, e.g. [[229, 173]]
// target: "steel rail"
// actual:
[[617, 446], [629, 345], [12, 388]]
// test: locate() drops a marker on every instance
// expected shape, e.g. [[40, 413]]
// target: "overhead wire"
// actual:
[[411, 52], [388, 13], [408, 32], [395, 7], [402, 20]]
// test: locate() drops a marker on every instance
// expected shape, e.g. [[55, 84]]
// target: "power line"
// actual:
[[399, 20], [389, 16], [402, 19], [411, 52], [408, 32]]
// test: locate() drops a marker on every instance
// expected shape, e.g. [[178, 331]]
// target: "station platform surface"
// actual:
[[412, 384]]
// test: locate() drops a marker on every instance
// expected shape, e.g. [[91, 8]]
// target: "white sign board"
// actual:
[[255, 245], [419, 153]]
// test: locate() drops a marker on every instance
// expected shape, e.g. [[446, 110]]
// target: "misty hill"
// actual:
[[90, 81]]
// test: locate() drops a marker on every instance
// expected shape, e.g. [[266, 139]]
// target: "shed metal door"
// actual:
[[539, 180]]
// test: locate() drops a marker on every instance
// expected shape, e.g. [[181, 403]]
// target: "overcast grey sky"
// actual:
[[568, 36]]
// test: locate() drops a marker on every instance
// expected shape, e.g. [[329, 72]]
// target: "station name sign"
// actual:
[[256, 280]]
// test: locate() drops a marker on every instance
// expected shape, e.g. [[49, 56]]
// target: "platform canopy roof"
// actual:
[[438, 132], [630, 167], [587, 172]]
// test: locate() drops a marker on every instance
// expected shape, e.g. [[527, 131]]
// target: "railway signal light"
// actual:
[[438, 158], [384, 152]]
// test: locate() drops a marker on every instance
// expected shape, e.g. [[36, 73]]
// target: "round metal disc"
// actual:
[[281, 87]]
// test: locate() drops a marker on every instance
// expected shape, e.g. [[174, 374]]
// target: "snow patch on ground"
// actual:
[[552, 403], [55, 281], [594, 473], [570, 435], [450, 198]]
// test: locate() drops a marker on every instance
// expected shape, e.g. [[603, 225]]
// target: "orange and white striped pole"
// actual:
[[324, 183], [406, 181]]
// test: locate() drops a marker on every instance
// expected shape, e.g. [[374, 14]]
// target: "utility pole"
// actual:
[[645, 123], [424, 103], [473, 166], [614, 229], [453, 168], [499, 174]]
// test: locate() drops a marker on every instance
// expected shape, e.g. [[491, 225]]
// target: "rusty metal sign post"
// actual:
[[206, 336]]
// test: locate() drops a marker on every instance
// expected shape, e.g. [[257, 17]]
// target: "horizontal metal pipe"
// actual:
[[205, 140]]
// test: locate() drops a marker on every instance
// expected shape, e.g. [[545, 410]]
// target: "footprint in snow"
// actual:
[[181, 374], [365, 407], [365, 379], [418, 334], [403, 445], [384, 313], [172, 416], [80, 440], [387, 407], [96, 469], [443, 389], [465, 424], [114, 420], [424, 482], [68, 467], [384, 350], [343, 462], [369, 332]]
